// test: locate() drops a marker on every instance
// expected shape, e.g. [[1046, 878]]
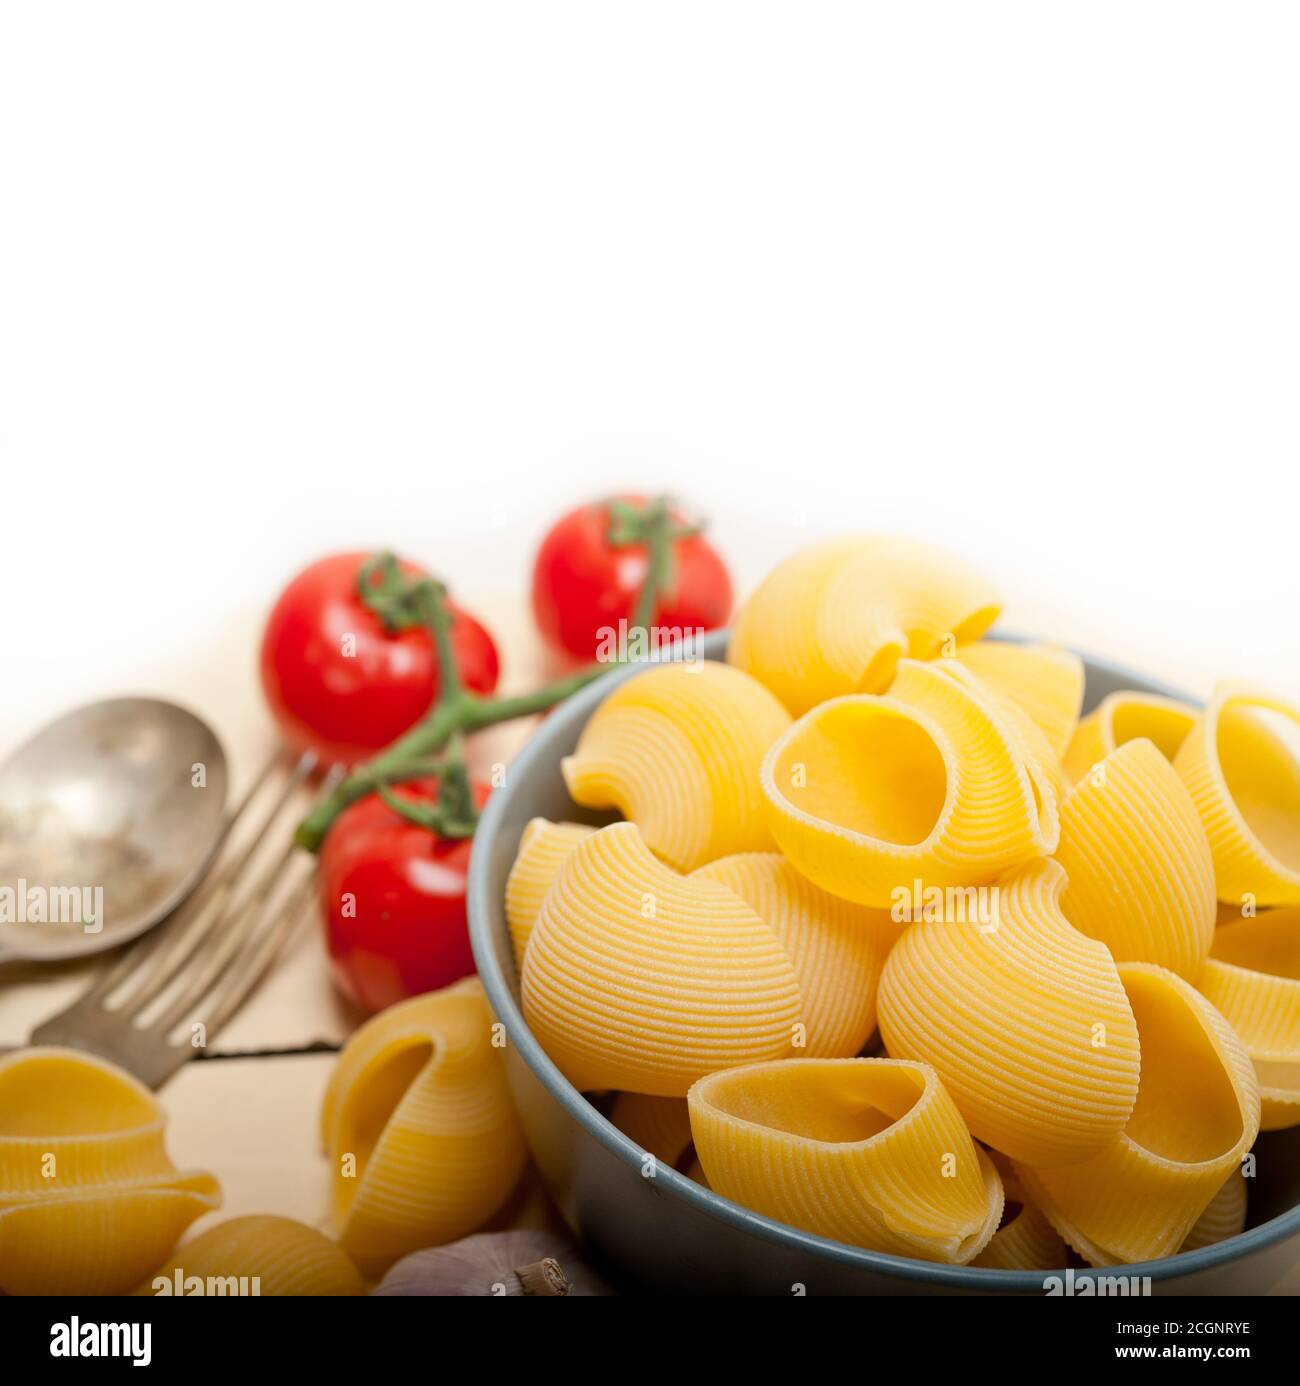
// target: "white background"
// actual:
[[277, 278]]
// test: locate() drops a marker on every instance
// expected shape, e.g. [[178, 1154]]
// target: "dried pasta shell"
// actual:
[[676, 750], [837, 617], [1025, 1240], [838, 949], [871, 1152], [1125, 716], [1253, 979], [89, 1201], [866, 794], [639, 979], [1196, 1114], [1025, 1020], [661, 1126], [1138, 861], [277, 1255], [542, 847], [1044, 681], [418, 1099], [1245, 781], [1028, 739], [1224, 1215], [98, 1241], [69, 1120]]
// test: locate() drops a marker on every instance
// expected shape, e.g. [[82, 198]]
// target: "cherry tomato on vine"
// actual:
[[338, 682], [583, 582], [392, 895]]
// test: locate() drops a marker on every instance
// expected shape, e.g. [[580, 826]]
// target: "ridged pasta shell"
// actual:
[[1253, 979], [1025, 1240], [838, 949], [933, 782], [1044, 681], [1245, 781], [661, 1126], [1196, 1114], [283, 1256], [418, 1099], [1141, 878], [98, 1241], [1025, 1020], [837, 617], [676, 749], [868, 1151], [1224, 1215], [1125, 716], [89, 1201], [98, 1123], [542, 847], [1030, 741], [640, 979]]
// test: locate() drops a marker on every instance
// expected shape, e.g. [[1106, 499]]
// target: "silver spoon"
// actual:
[[109, 817]]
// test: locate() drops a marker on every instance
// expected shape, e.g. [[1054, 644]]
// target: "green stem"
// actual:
[[433, 747], [438, 619], [408, 757], [652, 524], [659, 550], [487, 712]]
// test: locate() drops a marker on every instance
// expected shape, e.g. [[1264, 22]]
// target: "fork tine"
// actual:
[[176, 951], [264, 915], [259, 958], [231, 949], [129, 960], [238, 922]]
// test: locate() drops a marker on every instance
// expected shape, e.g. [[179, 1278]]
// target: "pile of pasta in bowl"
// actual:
[[894, 946]]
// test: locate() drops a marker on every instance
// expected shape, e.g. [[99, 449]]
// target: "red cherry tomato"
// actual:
[[338, 682], [393, 901], [582, 583]]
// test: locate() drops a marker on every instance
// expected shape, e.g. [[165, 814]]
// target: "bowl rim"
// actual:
[[501, 998]]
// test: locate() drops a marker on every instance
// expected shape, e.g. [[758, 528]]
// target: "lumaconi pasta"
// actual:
[[277, 1255], [869, 1151], [1253, 978], [89, 1201], [1027, 737], [1224, 1215], [418, 1124], [1141, 878], [837, 948], [837, 617], [542, 848], [932, 782], [1081, 892], [640, 979], [1044, 681], [661, 1126], [1125, 716], [1026, 1022], [1245, 781], [1197, 1113], [1025, 1240], [676, 750]]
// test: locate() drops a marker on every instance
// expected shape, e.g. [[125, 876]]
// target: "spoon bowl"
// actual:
[[109, 817]]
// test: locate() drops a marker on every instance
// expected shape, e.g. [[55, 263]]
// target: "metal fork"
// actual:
[[164, 998]]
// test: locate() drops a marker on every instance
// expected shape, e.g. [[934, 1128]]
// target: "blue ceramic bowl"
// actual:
[[670, 1234]]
